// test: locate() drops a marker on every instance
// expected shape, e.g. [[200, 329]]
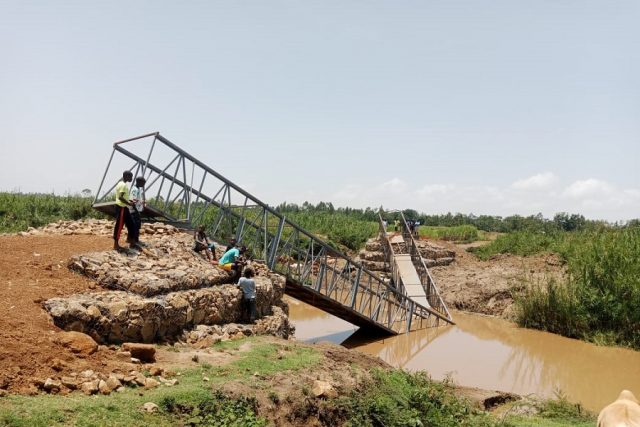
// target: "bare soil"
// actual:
[[489, 287], [32, 270]]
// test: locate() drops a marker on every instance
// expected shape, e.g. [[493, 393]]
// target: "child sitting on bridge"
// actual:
[[201, 243], [232, 261]]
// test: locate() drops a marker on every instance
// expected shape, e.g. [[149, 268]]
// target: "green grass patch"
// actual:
[[388, 398], [523, 243], [21, 211], [553, 413], [598, 300], [116, 409], [398, 398], [191, 402], [460, 233]]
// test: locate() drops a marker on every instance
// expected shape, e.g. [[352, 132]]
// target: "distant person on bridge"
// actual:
[[201, 243], [248, 287], [138, 199], [396, 225], [123, 215], [412, 226], [232, 261]]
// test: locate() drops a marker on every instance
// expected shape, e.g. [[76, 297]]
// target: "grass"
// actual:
[[398, 398], [192, 401], [21, 211], [598, 300], [389, 398], [523, 243], [552, 413], [339, 228], [460, 233]]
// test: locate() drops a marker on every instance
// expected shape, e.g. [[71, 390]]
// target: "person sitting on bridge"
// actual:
[[248, 287], [232, 261], [201, 243], [123, 215]]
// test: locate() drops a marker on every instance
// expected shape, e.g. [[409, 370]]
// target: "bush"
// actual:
[[598, 302], [21, 211], [398, 398], [460, 233]]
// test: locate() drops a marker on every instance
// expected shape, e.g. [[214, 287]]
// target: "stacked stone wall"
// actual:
[[155, 294]]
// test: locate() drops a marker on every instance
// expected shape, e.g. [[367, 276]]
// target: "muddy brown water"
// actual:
[[492, 354]]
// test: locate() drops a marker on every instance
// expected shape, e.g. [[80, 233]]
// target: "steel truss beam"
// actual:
[[342, 286]]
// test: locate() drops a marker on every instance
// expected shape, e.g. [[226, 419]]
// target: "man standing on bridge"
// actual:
[[123, 216]]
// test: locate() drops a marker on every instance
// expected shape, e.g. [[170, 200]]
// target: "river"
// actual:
[[492, 354]]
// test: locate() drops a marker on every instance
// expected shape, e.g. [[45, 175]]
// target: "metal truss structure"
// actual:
[[183, 190], [410, 247]]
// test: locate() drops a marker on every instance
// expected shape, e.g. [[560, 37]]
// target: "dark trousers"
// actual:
[[237, 271], [137, 224], [123, 217], [251, 309]]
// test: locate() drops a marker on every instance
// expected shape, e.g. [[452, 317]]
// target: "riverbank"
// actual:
[[34, 270], [256, 381]]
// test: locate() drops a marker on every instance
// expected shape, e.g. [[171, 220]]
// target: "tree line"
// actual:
[[561, 221]]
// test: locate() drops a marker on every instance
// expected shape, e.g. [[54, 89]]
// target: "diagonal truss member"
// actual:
[[183, 190]]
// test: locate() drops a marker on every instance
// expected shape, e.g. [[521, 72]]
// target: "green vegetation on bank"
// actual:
[[398, 398], [337, 227], [598, 300], [551, 413], [381, 398], [21, 211], [459, 233]]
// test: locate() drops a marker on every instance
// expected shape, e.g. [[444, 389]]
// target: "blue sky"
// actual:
[[490, 107]]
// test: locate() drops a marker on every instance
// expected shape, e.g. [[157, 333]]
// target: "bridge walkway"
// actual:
[[410, 274], [183, 190]]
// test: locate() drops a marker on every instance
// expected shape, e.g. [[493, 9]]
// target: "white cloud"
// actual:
[[395, 185], [596, 199], [588, 188], [541, 181], [433, 189], [347, 193]]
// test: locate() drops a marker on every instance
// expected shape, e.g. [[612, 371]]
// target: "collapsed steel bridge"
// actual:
[[182, 190]]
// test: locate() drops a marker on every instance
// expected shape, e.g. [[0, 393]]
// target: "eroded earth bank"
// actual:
[[159, 327]]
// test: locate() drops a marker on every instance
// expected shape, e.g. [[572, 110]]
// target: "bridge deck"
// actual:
[[324, 303], [182, 189], [410, 279]]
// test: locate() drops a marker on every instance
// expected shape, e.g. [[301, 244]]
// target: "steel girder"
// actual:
[[187, 191]]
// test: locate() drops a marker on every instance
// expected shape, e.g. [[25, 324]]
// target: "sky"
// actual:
[[488, 107]]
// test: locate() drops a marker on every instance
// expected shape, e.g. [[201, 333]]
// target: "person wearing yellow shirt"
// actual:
[[123, 215]]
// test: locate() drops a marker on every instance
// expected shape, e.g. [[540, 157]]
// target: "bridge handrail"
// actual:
[[427, 281], [384, 294], [395, 271]]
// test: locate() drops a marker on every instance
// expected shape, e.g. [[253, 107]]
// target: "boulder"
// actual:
[[323, 389], [77, 342], [90, 387], [150, 407], [143, 352]]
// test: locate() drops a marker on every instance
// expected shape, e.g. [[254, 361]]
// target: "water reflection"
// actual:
[[492, 354]]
